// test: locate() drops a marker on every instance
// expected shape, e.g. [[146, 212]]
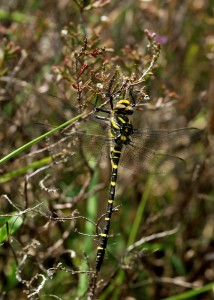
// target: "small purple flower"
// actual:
[[161, 39]]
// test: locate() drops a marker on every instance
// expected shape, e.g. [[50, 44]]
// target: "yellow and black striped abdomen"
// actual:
[[115, 156], [121, 130]]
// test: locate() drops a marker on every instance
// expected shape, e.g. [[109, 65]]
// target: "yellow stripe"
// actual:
[[107, 219], [116, 151], [103, 234], [124, 101], [114, 124], [100, 248], [122, 120], [110, 201], [113, 183], [114, 166]]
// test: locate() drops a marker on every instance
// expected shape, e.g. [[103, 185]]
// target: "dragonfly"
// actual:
[[136, 149], [129, 147]]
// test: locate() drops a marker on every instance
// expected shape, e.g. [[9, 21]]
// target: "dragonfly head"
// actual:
[[123, 106]]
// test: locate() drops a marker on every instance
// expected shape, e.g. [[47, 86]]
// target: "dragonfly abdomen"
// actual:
[[115, 157]]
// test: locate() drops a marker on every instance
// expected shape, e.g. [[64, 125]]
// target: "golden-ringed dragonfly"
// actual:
[[134, 149]]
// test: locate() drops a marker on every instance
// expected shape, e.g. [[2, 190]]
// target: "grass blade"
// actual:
[[38, 139]]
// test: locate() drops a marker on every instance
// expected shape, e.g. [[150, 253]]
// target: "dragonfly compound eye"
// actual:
[[119, 106]]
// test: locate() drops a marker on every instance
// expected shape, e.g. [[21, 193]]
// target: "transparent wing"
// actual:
[[161, 139], [90, 147], [149, 161], [90, 126], [141, 155], [87, 140], [90, 139]]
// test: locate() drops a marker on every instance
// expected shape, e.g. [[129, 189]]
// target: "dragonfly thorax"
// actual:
[[121, 128], [123, 107]]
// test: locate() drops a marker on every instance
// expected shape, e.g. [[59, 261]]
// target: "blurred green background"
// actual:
[[35, 249]]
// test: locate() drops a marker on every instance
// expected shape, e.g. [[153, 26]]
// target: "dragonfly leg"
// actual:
[[102, 118], [133, 99], [97, 109]]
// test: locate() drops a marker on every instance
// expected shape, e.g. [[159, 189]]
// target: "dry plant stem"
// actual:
[[57, 245], [93, 282], [151, 237], [92, 286], [20, 212], [175, 281], [47, 189], [70, 202], [41, 285], [18, 82], [17, 67]]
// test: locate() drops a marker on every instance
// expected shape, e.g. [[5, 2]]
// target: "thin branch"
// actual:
[[150, 238]]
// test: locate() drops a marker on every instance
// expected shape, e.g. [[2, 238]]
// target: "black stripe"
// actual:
[[120, 127], [104, 239]]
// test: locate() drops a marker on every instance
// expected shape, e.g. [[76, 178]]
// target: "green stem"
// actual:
[[139, 214], [38, 139], [192, 293]]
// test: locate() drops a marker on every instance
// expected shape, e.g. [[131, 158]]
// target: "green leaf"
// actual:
[[10, 226]]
